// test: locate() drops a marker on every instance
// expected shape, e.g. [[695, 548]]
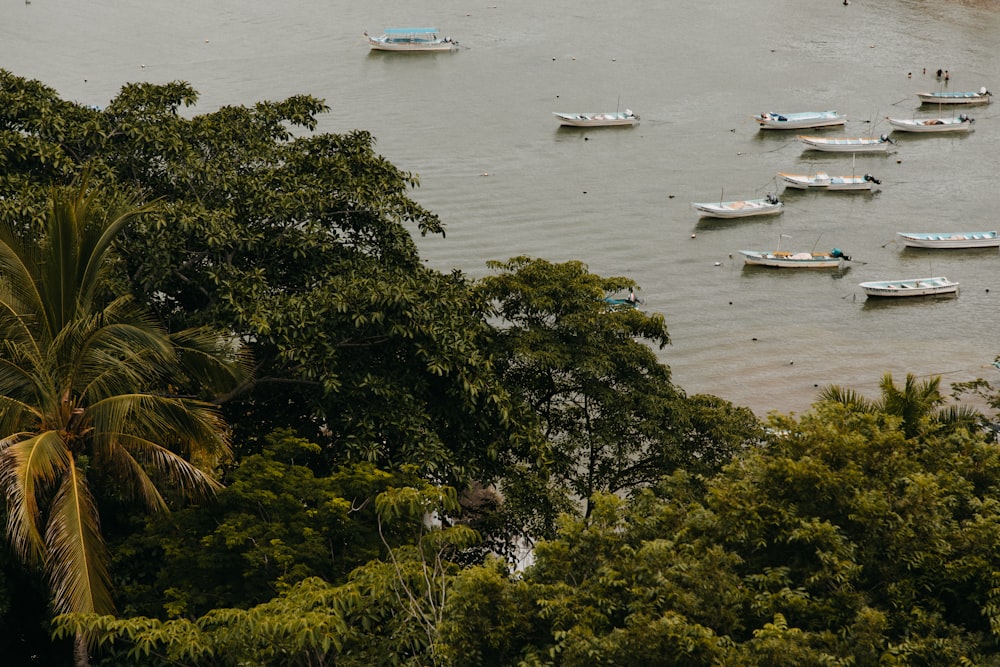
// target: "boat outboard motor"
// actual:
[[965, 118], [772, 198], [837, 252], [885, 138], [872, 179]]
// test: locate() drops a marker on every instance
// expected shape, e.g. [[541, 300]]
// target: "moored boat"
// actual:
[[950, 239], [796, 260], [982, 96], [909, 287], [607, 119], [847, 144], [960, 124], [799, 120], [411, 39], [739, 209], [823, 181]]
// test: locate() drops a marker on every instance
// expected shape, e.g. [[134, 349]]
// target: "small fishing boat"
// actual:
[[411, 39], [739, 209], [823, 181], [909, 287], [799, 121], [630, 301], [982, 96], [607, 119], [796, 260], [950, 239], [847, 145], [960, 124]]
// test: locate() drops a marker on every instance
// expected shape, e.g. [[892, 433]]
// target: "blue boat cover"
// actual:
[[409, 31]]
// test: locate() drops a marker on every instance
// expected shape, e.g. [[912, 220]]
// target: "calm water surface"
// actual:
[[477, 126]]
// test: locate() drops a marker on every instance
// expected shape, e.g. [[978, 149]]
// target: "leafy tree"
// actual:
[[614, 420], [387, 613], [87, 397], [841, 542], [301, 245], [274, 524]]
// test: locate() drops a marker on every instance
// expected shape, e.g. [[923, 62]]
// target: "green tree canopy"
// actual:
[[300, 243], [606, 405], [841, 542]]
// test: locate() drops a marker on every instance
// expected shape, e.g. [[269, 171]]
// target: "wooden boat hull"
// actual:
[[950, 239], [969, 98], [609, 119], [821, 181], [845, 145], [737, 209], [799, 121], [931, 125], [910, 287], [376, 45], [784, 260]]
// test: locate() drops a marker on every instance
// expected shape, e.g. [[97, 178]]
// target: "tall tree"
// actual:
[[586, 368], [89, 395], [302, 244]]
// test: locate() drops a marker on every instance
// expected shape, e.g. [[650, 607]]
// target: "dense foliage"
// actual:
[[405, 430]]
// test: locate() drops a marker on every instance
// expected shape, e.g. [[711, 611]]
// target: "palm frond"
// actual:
[[77, 556], [29, 470], [210, 360], [146, 465], [193, 428], [848, 397]]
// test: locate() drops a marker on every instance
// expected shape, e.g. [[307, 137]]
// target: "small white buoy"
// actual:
[[718, 263], [693, 235]]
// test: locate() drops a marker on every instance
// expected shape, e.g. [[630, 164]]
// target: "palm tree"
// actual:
[[89, 394], [914, 403]]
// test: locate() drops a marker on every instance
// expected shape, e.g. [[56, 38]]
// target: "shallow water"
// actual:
[[477, 126]]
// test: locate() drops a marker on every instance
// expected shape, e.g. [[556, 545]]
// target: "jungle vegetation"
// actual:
[[244, 423]]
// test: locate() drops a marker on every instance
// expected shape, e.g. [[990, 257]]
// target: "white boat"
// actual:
[[607, 119], [796, 260], [799, 121], [411, 39], [950, 239], [739, 209], [960, 124], [982, 96], [823, 181], [847, 145], [910, 287]]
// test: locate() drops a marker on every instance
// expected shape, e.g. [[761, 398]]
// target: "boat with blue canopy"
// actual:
[[411, 39]]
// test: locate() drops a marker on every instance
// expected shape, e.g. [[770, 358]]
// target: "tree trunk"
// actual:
[[81, 656]]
